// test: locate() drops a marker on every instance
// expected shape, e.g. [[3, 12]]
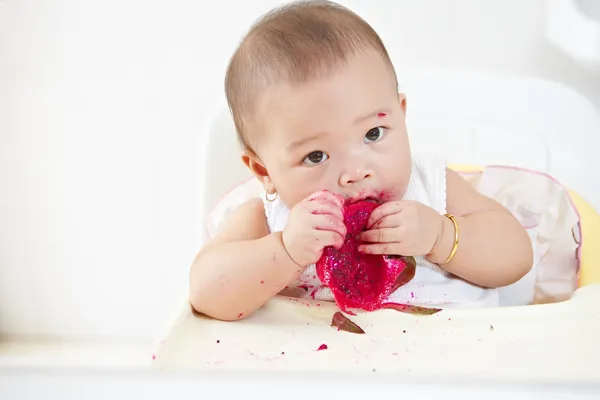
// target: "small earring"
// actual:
[[271, 199]]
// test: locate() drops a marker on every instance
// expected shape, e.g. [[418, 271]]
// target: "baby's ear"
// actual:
[[256, 166], [402, 102]]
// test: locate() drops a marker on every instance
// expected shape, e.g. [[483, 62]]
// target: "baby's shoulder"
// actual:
[[250, 212], [246, 222]]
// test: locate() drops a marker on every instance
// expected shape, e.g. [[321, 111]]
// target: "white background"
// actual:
[[101, 106]]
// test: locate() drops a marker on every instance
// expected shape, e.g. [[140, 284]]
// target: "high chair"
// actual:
[[531, 144]]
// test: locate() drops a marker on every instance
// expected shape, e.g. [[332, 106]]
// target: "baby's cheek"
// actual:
[[400, 175]]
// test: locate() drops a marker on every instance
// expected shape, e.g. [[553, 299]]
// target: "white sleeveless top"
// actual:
[[431, 286]]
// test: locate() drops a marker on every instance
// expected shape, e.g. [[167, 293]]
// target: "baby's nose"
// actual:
[[354, 176]]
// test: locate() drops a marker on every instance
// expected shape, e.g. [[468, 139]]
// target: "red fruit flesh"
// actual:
[[358, 280]]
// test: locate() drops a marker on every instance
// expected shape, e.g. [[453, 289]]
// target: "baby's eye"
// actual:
[[374, 134], [316, 157]]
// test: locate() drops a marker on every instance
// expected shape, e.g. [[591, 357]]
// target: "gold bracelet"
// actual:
[[456, 233]]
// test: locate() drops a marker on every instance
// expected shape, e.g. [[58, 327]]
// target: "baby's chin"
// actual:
[[396, 193]]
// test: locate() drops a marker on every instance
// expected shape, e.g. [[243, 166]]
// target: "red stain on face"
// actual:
[[322, 347], [381, 115]]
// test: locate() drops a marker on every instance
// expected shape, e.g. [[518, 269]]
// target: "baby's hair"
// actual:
[[294, 43]]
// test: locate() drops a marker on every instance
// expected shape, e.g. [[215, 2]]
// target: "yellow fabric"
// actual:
[[465, 168], [590, 232], [589, 271]]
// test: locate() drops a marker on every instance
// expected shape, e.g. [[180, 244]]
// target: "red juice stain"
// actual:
[[381, 115], [154, 356], [283, 352], [412, 295], [322, 347], [240, 315], [385, 196], [358, 280]]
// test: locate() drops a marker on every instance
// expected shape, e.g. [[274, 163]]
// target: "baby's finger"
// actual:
[[324, 207], [384, 235], [389, 221], [384, 210], [326, 222], [327, 197], [330, 238], [382, 249]]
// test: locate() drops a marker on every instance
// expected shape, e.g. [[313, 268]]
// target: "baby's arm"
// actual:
[[494, 250], [242, 268]]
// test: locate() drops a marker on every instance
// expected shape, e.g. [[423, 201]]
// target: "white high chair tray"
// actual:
[[547, 343], [472, 118]]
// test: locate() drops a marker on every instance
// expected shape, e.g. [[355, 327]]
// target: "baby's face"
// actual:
[[345, 134]]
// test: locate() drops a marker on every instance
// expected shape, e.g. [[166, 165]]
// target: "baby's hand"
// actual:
[[314, 223], [406, 228]]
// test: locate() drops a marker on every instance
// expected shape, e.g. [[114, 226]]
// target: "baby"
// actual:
[[315, 101]]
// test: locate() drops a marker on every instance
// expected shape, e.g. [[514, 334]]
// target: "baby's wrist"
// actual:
[[444, 244], [290, 262]]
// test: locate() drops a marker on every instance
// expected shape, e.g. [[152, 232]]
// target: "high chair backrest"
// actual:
[[221, 164], [469, 117]]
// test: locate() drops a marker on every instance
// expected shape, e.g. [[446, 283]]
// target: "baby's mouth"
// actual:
[[370, 199]]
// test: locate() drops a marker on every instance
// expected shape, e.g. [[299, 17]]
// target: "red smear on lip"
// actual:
[[359, 280], [322, 347]]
